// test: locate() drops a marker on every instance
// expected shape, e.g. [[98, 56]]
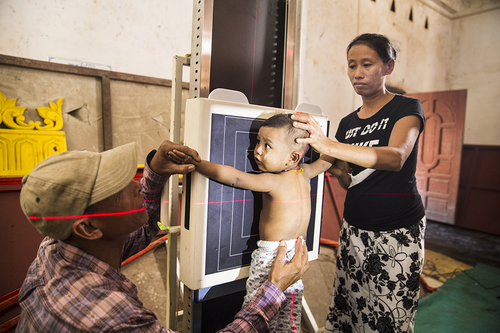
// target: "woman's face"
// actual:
[[366, 70]]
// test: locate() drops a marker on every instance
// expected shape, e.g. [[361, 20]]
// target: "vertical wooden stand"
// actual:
[[171, 193]]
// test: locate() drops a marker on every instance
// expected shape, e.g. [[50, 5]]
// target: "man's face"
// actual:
[[128, 201]]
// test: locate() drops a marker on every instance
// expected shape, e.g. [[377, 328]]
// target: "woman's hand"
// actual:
[[338, 168], [341, 170], [317, 139]]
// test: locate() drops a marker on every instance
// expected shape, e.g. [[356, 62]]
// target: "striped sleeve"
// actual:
[[152, 184]]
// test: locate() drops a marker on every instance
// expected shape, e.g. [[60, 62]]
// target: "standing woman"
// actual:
[[381, 247]]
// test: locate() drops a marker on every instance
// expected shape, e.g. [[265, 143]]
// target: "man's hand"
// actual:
[[282, 274], [164, 166], [180, 158]]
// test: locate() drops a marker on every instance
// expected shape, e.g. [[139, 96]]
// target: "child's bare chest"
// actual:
[[290, 198]]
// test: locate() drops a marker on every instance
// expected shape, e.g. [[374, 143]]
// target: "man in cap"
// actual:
[[95, 216]]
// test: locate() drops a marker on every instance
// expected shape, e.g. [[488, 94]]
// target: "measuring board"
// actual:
[[220, 222]]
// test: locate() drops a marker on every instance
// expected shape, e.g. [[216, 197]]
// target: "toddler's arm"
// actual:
[[228, 175], [319, 166]]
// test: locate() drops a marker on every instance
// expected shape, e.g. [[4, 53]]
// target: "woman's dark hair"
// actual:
[[379, 43]]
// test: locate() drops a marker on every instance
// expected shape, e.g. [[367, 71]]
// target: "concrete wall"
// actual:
[[331, 25], [141, 37], [474, 64], [136, 37]]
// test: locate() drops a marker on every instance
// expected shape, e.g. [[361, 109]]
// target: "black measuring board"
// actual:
[[233, 213], [220, 222]]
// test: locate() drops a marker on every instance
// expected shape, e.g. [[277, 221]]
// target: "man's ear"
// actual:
[[86, 228]]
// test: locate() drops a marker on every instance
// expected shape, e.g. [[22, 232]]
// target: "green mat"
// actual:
[[470, 302]]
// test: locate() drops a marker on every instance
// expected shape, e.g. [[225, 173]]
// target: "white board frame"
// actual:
[[193, 242]]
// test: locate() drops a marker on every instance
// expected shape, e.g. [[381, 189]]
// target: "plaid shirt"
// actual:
[[69, 290]]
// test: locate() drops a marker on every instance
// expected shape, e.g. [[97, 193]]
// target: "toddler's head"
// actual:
[[283, 120], [277, 148]]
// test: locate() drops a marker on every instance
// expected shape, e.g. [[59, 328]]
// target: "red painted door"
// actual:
[[440, 150]]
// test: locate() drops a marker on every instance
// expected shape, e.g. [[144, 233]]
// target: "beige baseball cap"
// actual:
[[59, 189]]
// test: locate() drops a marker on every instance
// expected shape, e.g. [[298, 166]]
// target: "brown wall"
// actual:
[[478, 203], [333, 210], [19, 242]]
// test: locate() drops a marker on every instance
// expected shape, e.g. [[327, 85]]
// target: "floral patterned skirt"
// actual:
[[377, 280]]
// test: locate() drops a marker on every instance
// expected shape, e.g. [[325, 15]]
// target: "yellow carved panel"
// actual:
[[22, 146]]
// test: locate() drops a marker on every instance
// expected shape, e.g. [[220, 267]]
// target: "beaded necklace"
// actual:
[[295, 170]]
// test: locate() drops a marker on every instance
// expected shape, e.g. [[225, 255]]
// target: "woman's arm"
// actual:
[[391, 158], [342, 172]]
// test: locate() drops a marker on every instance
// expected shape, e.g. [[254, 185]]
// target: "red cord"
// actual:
[[297, 235]]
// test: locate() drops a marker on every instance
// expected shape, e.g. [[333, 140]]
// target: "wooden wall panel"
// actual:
[[478, 203], [19, 240], [94, 102], [333, 210]]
